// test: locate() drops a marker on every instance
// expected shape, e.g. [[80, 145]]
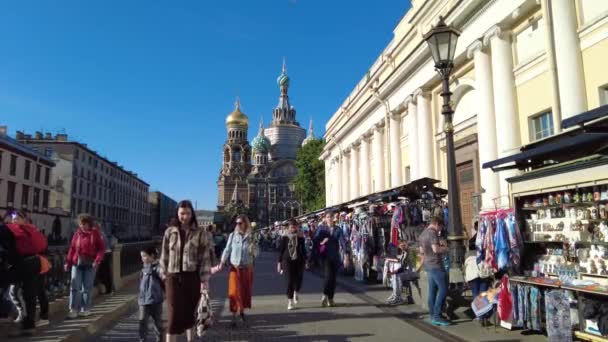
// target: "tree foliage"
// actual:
[[310, 181]]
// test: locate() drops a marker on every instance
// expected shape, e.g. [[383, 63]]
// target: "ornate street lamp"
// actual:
[[442, 43]]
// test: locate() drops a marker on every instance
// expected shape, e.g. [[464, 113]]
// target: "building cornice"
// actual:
[[495, 31], [477, 45]]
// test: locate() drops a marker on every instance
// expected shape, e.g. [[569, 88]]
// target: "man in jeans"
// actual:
[[433, 254]]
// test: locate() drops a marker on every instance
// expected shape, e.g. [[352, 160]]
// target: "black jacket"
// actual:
[[284, 250]]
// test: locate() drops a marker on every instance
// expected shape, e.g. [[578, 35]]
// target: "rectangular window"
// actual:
[[273, 196], [541, 126], [25, 195], [76, 154], [408, 175], [36, 198], [45, 199], [79, 206], [13, 170], [10, 195], [27, 171], [47, 175], [604, 95], [38, 171]]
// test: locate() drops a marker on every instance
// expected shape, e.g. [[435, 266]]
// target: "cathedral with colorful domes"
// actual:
[[260, 175]]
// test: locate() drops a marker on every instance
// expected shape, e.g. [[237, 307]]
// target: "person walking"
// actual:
[[86, 253], [328, 248], [433, 252], [240, 252], [292, 260], [185, 263], [151, 295], [30, 244]]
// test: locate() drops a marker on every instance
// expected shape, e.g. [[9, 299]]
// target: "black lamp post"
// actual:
[[442, 43]]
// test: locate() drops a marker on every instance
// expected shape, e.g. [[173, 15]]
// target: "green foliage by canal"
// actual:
[[310, 181]]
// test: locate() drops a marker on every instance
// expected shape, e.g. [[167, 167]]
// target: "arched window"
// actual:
[[236, 155]]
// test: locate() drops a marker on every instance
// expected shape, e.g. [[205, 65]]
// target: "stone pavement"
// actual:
[[354, 319], [359, 316]]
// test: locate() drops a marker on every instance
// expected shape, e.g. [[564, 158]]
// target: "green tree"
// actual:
[[310, 181]]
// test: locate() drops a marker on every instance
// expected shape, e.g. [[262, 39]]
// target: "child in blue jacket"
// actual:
[[151, 294]]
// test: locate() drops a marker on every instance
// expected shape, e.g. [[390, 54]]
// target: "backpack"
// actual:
[[28, 239]]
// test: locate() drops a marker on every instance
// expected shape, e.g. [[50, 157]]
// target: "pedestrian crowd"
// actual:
[[178, 274]]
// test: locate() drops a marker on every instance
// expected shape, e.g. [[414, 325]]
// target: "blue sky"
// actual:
[[149, 83]]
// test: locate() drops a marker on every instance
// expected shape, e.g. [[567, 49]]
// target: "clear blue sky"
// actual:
[[149, 83]]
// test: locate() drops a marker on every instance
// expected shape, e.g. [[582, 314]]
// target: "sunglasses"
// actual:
[[238, 223]]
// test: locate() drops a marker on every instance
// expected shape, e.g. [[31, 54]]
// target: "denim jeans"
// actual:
[[81, 288], [478, 286], [438, 290]]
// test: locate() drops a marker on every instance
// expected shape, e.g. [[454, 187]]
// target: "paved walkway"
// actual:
[[360, 315], [357, 317]]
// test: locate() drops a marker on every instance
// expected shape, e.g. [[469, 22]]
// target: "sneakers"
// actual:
[[19, 318], [390, 299], [42, 322], [324, 302], [72, 314], [295, 298], [85, 313], [410, 300], [331, 303], [440, 322], [290, 305], [396, 301]]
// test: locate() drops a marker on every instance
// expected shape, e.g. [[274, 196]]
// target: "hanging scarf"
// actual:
[[292, 246]]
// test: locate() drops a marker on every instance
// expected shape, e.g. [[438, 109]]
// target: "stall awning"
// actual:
[[585, 118], [590, 138]]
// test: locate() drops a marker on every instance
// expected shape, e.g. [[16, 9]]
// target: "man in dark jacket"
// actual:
[[327, 243]]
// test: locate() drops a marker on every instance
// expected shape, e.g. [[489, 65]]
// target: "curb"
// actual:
[[101, 322]]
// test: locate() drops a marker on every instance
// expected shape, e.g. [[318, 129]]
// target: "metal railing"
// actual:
[[57, 279], [130, 258]]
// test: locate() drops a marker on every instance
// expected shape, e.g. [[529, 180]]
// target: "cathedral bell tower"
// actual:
[[236, 164]]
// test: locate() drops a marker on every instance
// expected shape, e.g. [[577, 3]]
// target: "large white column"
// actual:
[[379, 157], [505, 105], [412, 133], [354, 171], [328, 179], [568, 59], [345, 175], [486, 127], [336, 185], [425, 135], [366, 179], [395, 135]]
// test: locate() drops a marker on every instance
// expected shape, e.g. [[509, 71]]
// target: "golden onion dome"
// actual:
[[237, 118]]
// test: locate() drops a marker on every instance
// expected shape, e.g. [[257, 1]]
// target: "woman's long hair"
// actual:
[[246, 223], [185, 204]]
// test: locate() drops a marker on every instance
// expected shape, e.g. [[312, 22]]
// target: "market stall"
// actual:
[[560, 204]]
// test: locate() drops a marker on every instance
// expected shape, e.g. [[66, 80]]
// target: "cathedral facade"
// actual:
[[260, 175]]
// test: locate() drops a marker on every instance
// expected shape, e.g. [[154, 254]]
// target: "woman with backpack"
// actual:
[[28, 243], [84, 257], [239, 253]]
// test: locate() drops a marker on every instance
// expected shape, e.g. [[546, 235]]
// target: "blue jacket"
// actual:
[[238, 249], [150, 285]]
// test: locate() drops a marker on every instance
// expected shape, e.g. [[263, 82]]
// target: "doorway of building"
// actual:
[[466, 181]]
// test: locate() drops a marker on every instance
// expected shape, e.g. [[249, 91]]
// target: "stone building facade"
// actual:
[[521, 66]]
